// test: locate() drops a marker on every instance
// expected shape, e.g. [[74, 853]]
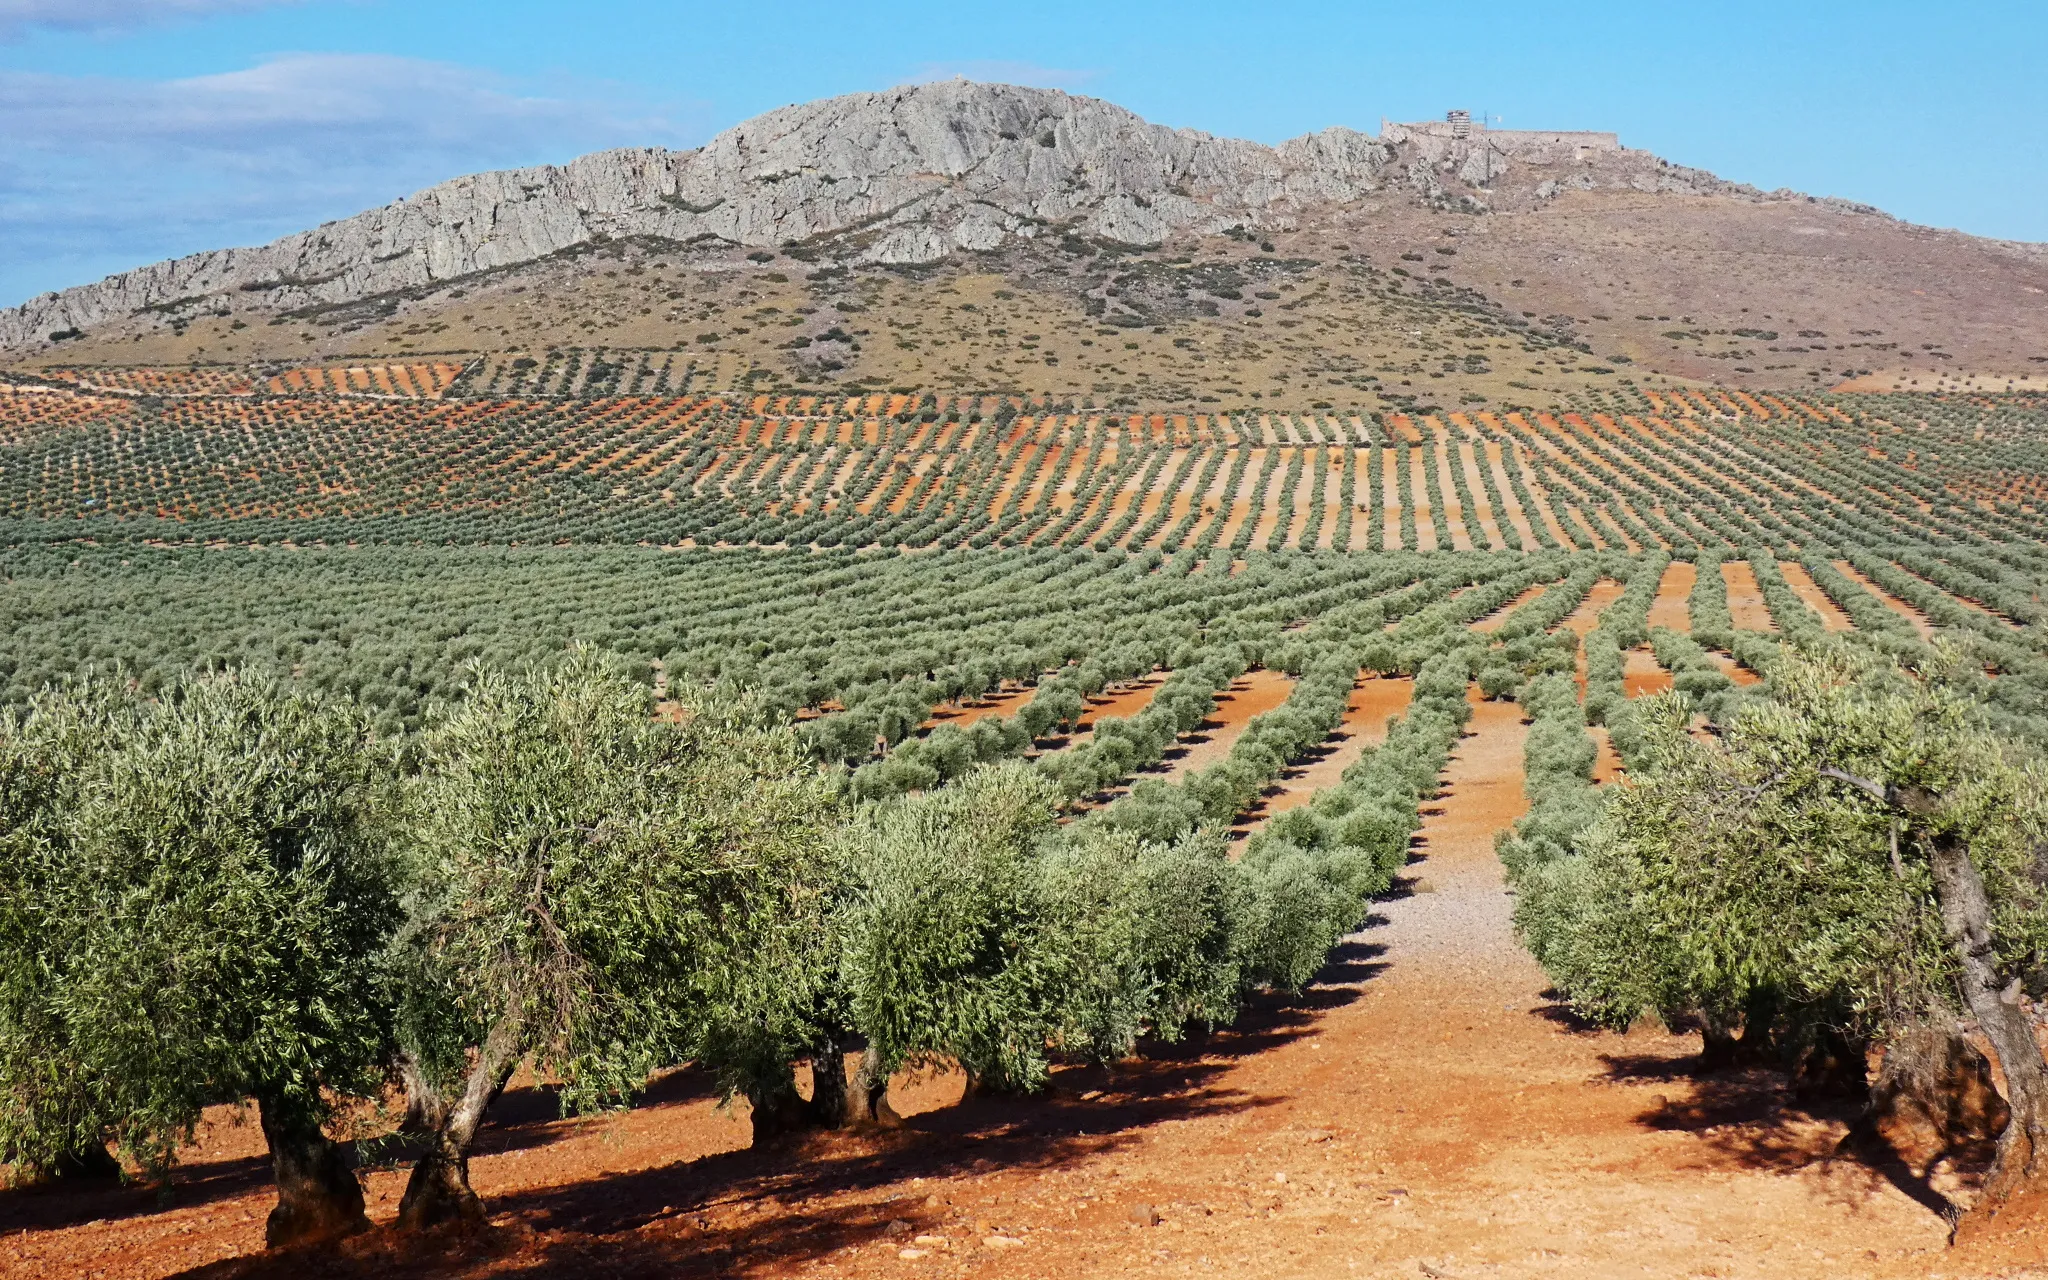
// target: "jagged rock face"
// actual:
[[906, 176]]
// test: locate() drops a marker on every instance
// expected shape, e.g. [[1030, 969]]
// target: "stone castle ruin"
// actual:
[[1466, 149]]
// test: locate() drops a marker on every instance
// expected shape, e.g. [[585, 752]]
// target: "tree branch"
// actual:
[[1882, 794]]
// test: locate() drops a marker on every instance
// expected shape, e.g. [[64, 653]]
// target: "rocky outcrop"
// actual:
[[906, 176]]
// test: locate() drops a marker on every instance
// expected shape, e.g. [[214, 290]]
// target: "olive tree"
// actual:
[[600, 891], [196, 897], [1856, 857], [973, 929]]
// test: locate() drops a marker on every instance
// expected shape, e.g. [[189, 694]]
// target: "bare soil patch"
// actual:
[[1641, 675], [1606, 760], [1120, 701], [1734, 670], [1373, 702], [1252, 694], [1831, 616], [1494, 621], [962, 714], [1745, 597], [1670, 607]]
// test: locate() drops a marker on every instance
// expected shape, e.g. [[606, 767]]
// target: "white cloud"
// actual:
[[1000, 72], [99, 173], [17, 16]]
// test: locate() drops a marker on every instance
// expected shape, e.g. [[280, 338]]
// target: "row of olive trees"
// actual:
[[235, 892], [1855, 860]]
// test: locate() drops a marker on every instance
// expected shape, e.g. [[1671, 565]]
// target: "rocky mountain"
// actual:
[[982, 236], [907, 176]]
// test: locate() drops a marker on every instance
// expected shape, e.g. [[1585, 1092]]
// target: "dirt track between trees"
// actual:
[[1422, 1110]]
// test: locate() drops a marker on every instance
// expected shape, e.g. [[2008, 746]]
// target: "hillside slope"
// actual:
[[1088, 215]]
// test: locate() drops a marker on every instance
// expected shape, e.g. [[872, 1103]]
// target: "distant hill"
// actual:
[[1003, 238]]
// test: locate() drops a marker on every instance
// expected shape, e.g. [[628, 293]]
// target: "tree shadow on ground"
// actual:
[[1558, 1012], [526, 1117], [1753, 1118], [771, 1208], [55, 1207]]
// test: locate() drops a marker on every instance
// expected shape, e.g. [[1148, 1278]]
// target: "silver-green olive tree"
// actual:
[[600, 892], [196, 896], [1857, 851], [973, 929]]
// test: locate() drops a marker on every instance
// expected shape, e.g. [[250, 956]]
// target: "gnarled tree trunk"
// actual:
[[1932, 1095], [867, 1097], [425, 1108], [90, 1163], [1966, 916], [829, 1105], [318, 1197], [777, 1108], [438, 1191]]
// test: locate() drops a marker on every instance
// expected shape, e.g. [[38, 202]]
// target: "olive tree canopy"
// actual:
[[1857, 855], [600, 890], [196, 896]]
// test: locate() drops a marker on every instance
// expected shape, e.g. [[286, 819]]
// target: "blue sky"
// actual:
[[132, 130]]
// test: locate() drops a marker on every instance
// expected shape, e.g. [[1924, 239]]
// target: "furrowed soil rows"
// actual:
[[1831, 616], [1366, 712], [1251, 694], [1745, 597]]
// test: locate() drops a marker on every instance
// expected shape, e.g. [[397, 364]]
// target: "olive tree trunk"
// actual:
[[425, 1108], [775, 1107], [1966, 917], [91, 1162], [318, 1197], [438, 1193], [864, 1101]]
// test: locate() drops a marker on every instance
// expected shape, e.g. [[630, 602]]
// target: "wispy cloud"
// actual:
[[999, 72], [98, 173], [17, 16]]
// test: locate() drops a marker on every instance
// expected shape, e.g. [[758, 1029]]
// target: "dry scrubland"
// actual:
[[1418, 311]]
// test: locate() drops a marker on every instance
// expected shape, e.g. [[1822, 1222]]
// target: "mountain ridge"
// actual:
[[956, 166]]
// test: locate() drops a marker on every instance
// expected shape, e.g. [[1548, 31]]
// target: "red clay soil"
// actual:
[[1669, 608], [1493, 621], [1734, 670], [1888, 600], [1606, 760], [1831, 616], [1745, 597], [1372, 703], [1640, 674], [1252, 694], [1120, 701], [962, 714], [1423, 1109]]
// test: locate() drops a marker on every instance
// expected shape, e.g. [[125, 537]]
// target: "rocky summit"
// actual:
[[906, 176], [993, 238]]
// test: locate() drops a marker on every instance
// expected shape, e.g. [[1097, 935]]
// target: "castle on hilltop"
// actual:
[[1461, 127]]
